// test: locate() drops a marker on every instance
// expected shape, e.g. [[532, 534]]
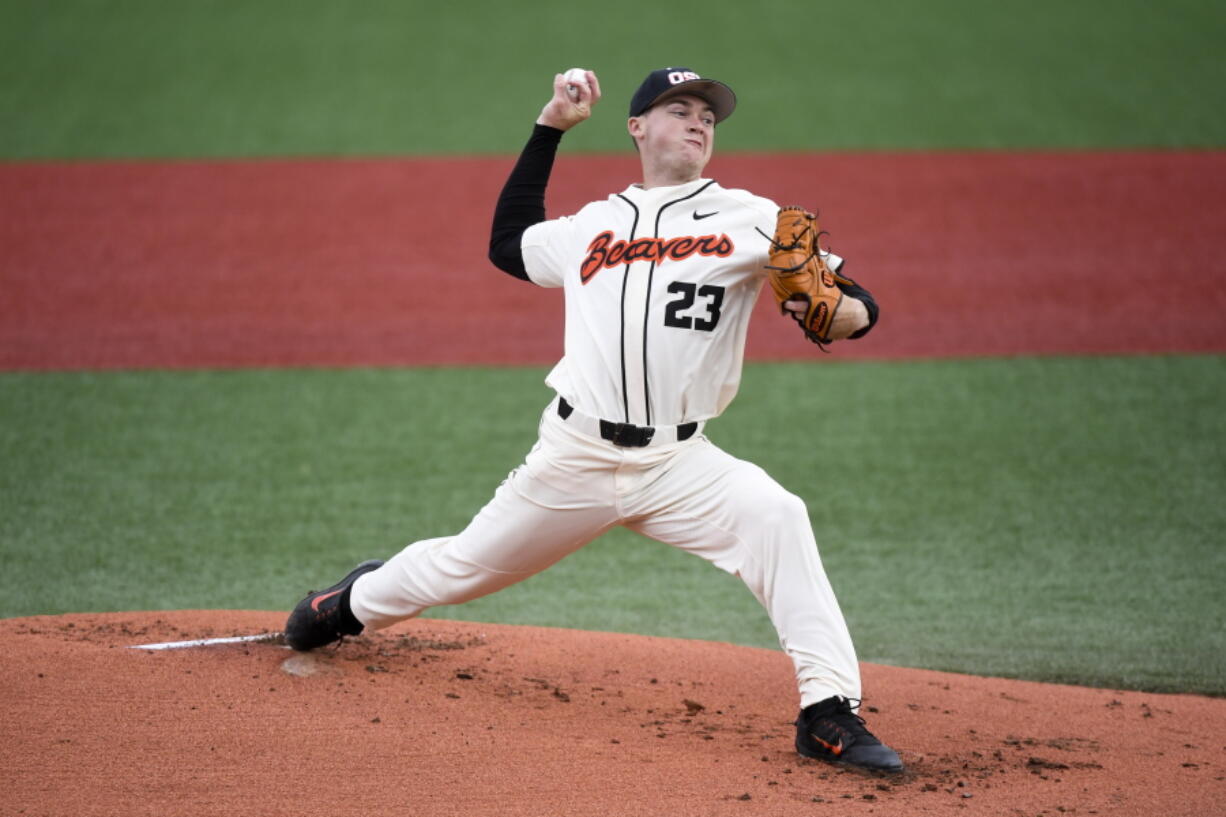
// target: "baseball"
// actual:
[[574, 78]]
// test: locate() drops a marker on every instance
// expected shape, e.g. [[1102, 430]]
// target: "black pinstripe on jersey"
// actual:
[[622, 338]]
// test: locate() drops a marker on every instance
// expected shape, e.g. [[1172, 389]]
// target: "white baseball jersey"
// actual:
[[660, 285]]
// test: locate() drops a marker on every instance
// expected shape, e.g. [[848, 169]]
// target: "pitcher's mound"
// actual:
[[450, 718]]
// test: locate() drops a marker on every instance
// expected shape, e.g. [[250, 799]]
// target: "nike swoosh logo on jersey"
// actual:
[[700, 216]]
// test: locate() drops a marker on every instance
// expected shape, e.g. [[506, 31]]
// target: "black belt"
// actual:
[[627, 435]]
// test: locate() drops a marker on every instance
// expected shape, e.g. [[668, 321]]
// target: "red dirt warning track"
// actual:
[[365, 262], [442, 718], [376, 263]]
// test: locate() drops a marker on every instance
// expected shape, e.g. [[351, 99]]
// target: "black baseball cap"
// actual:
[[666, 82]]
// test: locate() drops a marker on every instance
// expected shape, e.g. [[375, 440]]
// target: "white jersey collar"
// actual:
[[659, 195]]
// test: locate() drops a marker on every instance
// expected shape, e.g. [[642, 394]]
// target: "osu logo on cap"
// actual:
[[678, 77]]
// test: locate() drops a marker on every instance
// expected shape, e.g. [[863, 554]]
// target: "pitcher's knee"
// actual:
[[779, 509]]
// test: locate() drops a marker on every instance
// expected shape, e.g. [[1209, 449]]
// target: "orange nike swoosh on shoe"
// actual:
[[834, 749], [315, 602]]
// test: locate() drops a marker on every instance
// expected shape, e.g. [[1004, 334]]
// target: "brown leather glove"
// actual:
[[798, 272]]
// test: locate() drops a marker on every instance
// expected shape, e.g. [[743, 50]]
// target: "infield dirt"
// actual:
[[445, 718]]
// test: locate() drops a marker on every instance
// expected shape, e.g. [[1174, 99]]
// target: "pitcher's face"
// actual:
[[679, 132]]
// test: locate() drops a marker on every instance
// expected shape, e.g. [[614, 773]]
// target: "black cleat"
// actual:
[[321, 618], [829, 730]]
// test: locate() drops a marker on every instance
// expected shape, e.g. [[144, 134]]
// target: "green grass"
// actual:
[[1057, 519], [233, 78]]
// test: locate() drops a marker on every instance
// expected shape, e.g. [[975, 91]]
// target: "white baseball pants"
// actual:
[[692, 495]]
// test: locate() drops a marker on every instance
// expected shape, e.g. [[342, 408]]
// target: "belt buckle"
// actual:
[[628, 435]]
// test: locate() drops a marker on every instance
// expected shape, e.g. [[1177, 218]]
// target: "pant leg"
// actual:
[[734, 515], [552, 505]]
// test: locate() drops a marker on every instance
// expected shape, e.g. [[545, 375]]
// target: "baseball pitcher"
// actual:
[[659, 282]]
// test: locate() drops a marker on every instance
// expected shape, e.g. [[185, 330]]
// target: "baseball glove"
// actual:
[[798, 272]]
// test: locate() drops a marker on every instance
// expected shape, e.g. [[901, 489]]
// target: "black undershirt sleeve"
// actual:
[[522, 201]]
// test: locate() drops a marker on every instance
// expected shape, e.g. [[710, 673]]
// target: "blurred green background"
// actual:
[[231, 78], [1056, 519]]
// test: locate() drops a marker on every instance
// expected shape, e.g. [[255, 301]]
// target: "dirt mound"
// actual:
[[447, 718]]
